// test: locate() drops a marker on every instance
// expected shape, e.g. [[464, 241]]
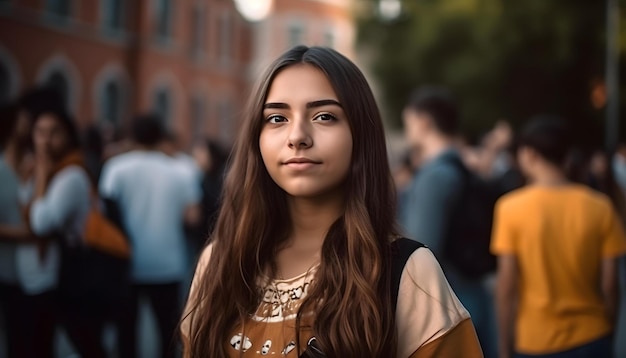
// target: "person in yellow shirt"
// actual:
[[557, 245]]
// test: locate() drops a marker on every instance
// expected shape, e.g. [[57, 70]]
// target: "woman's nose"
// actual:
[[300, 136]]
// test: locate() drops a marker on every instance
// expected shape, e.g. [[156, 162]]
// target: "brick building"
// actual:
[[189, 60]]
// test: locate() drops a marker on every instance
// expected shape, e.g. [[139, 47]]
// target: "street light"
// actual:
[[254, 10], [389, 10]]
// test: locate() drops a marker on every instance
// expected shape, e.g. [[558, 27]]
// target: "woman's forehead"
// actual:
[[300, 83]]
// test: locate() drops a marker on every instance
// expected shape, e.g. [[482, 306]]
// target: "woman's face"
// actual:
[[305, 142], [49, 137]]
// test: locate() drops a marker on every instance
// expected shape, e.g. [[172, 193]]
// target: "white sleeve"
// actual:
[[427, 307], [192, 190], [106, 186], [63, 199]]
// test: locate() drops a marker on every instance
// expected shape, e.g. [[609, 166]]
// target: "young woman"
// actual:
[[300, 263], [61, 203]]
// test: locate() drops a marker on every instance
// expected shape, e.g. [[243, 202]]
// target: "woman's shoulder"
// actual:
[[203, 262], [72, 175], [427, 310]]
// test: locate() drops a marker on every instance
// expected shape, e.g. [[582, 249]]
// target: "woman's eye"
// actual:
[[325, 117], [276, 119]]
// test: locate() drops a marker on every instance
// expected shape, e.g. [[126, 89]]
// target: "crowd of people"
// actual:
[[555, 217], [163, 200], [296, 241]]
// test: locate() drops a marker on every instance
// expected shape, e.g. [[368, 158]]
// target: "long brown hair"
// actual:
[[353, 279]]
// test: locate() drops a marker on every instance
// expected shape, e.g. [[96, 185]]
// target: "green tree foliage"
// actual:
[[503, 59]]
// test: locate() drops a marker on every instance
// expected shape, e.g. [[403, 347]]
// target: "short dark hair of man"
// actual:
[[148, 130], [549, 136], [439, 104]]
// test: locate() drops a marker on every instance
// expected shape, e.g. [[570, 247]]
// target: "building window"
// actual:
[[60, 8], [296, 35], [198, 117], [163, 19], [58, 81], [226, 37], [111, 103], [198, 20], [162, 105], [113, 11]]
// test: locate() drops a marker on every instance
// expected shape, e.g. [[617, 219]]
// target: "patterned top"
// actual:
[[430, 320]]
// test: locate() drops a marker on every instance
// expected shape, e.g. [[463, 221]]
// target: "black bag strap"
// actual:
[[401, 250]]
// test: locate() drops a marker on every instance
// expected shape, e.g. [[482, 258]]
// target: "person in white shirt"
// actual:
[[154, 201]]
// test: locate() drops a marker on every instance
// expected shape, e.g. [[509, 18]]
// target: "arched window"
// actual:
[[5, 84], [60, 8], [59, 82], [162, 105], [111, 103], [163, 18], [226, 37], [113, 11], [197, 30]]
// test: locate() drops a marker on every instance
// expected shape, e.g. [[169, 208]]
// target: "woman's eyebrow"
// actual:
[[276, 105], [323, 102], [309, 105]]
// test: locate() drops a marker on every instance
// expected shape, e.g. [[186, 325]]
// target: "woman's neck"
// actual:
[[311, 219]]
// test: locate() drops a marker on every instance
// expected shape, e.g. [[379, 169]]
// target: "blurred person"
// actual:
[[305, 260], [618, 163], [153, 203], [498, 160], [577, 167], [172, 147], [187, 165], [603, 179], [403, 175], [114, 141], [431, 123], [27, 275], [211, 159], [93, 148], [62, 200], [494, 159], [557, 244], [435, 201]]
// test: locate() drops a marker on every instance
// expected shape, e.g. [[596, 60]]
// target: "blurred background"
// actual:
[[192, 62]]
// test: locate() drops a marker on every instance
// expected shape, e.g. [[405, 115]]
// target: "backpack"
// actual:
[[401, 250], [97, 272], [466, 246]]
